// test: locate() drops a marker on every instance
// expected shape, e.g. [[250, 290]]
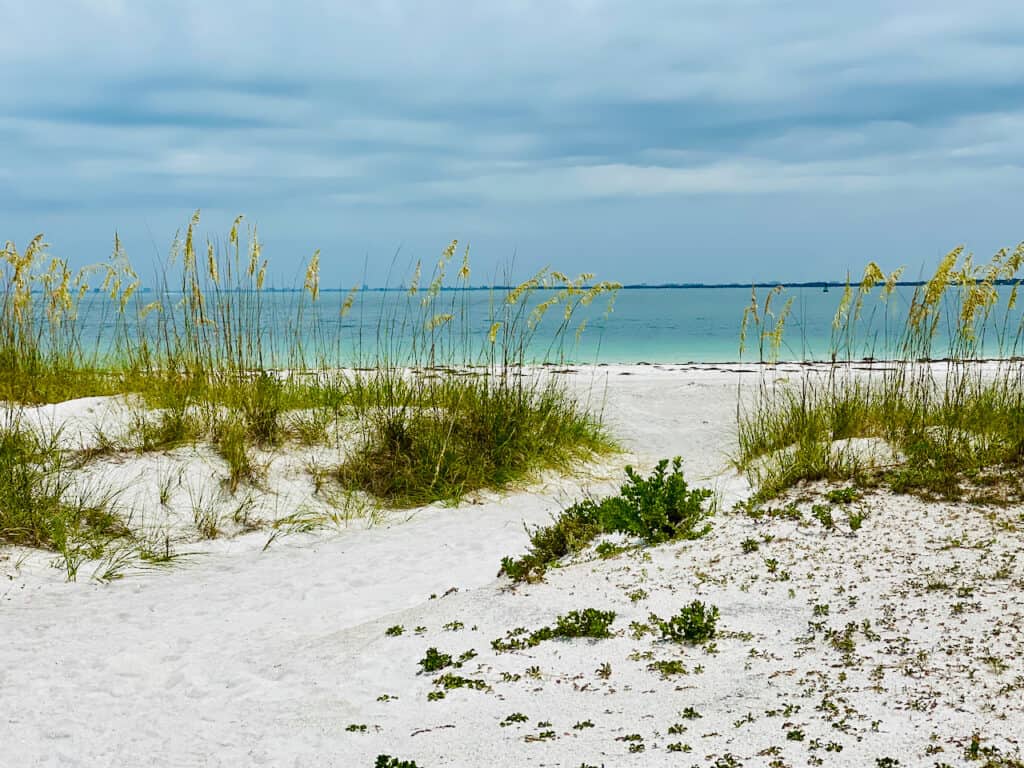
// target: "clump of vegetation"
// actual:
[[655, 509], [439, 407], [945, 430], [668, 668], [823, 514], [588, 622], [451, 435], [434, 660], [695, 623], [40, 507], [387, 761], [450, 682], [514, 718]]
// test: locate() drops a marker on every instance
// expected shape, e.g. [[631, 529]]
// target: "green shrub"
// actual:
[[434, 660], [656, 509], [586, 623], [695, 623]]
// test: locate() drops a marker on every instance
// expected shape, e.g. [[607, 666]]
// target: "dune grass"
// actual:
[[940, 428], [440, 402], [440, 438], [40, 505]]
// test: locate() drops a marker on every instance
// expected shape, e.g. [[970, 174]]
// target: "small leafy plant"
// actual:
[[588, 622], [434, 660], [655, 509], [387, 761], [823, 515], [695, 623]]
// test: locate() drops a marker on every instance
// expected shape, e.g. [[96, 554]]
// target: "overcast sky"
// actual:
[[644, 141]]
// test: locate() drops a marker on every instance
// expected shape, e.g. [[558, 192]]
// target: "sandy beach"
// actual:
[[899, 643]]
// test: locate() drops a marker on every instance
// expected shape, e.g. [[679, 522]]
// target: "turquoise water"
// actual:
[[658, 325]]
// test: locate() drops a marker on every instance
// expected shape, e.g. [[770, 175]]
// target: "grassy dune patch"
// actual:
[[438, 402], [953, 424]]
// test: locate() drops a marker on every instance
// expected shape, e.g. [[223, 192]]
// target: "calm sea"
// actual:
[[655, 325]]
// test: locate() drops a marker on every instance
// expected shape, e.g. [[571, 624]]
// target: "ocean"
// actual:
[[645, 325]]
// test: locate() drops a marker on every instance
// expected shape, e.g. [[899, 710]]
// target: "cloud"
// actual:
[[375, 113]]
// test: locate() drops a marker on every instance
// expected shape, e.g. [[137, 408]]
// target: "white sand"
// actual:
[[238, 656]]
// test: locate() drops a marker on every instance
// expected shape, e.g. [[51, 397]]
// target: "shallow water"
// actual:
[[656, 325]]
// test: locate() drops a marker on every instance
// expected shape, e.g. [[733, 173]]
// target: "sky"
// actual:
[[644, 141]]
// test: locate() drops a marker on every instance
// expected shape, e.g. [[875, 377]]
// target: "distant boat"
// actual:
[[825, 289]]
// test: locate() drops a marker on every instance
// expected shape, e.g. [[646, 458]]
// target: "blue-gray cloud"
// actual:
[[661, 140]]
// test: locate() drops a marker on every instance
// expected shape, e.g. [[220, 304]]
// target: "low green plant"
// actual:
[[695, 623], [588, 622], [668, 668], [658, 508], [387, 761], [450, 682], [434, 660], [855, 519], [823, 515], [843, 495]]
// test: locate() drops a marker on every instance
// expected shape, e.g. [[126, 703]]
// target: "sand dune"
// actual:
[[902, 640]]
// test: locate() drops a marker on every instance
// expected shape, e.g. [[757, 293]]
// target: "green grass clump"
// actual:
[[39, 506], [440, 438], [231, 443], [951, 428], [656, 509]]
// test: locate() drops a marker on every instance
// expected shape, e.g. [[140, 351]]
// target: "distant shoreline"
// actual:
[[625, 287]]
